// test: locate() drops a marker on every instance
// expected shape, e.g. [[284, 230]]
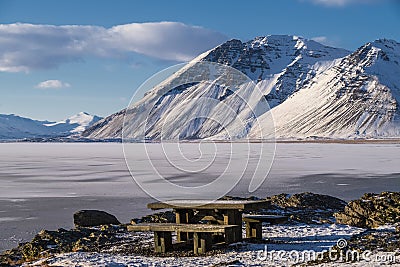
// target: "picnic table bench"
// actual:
[[202, 239], [254, 223]]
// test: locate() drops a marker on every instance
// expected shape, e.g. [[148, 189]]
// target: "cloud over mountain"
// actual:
[[27, 47]]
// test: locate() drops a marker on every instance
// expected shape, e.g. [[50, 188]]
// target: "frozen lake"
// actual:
[[43, 184]]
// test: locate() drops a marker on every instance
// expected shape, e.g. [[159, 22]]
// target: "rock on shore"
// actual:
[[47, 242], [305, 207], [371, 210], [88, 218]]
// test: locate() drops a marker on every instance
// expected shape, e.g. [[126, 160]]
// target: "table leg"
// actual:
[[229, 235], [162, 242], [234, 217], [202, 242], [254, 230], [183, 216]]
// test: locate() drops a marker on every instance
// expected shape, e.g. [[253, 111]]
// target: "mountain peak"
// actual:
[[81, 116], [83, 113], [387, 46], [268, 55], [277, 38], [82, 120], [382, 53], [388, 43]]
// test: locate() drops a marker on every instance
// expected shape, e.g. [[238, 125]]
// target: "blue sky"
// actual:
[[58, 58]]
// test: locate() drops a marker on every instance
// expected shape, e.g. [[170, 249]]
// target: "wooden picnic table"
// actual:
[[223, 212]]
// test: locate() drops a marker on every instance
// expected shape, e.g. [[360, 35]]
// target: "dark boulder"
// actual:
[[305, 207], [89, 218], [308, 200]]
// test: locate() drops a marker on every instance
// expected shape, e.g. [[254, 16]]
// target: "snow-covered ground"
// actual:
[[287, 245], [232, 259]]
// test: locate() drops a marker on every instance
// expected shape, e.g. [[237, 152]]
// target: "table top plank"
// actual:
[[172, 227], [204, 204]]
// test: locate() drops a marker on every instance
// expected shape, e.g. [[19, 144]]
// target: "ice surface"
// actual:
[[30, 170]]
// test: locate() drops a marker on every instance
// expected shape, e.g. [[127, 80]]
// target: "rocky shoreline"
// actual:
[[100, 232]]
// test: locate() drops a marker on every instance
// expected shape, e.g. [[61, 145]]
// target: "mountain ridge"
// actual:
[[313, 91], [357, 92], [272, 61]]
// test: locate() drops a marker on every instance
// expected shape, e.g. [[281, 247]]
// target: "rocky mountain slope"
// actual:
[[312, 90], [356, 97], [16, 127]]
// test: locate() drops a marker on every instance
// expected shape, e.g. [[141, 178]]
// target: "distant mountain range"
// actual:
[[314, 91], [15, 127]]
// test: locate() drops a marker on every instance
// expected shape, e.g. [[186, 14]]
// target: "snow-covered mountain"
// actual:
[[312, 89], [358, 96], [16, 127], [75, 124]]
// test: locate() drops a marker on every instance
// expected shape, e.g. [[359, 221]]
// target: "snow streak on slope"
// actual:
[[201, 100]]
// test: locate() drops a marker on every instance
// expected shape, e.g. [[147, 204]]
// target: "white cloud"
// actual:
[[320, 39], [329, 41], [26, 47], [52, 84], [340, 3]]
